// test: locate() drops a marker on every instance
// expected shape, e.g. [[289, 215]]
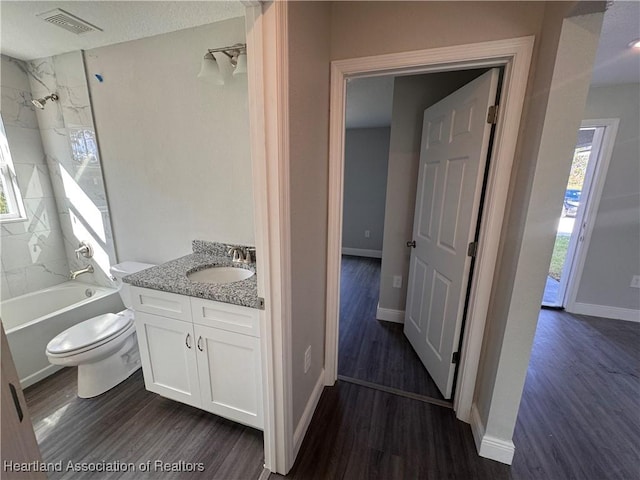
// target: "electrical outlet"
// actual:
[[307, 359], [397, 281], [367, 234], [635, 281]]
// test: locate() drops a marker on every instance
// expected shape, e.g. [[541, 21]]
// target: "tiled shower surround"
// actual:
[[62, 138], [32, 251]]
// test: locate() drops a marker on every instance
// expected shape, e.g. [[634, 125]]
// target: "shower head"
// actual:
[[39, 102]]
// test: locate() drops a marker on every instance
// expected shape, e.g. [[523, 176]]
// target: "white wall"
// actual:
[[175, 149], [366, 156], [308, 30], [33, 254], [411, 96], [548, 135], [613, 256]]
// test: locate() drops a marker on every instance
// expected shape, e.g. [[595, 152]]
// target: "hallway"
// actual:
[[578, 418]]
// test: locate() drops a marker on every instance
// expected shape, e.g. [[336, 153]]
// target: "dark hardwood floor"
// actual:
[[578, 418], [130, 424], [372, 350]]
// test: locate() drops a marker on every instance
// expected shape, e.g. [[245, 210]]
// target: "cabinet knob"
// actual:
[[187, 340], [200, 344]]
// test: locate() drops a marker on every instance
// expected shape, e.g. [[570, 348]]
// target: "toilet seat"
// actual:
[[90, 334]]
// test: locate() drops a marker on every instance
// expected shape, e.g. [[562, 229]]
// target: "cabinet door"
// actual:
[[167, 351], [230, 375]]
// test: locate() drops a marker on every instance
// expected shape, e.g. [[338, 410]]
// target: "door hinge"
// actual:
[[455, 357], [472, 249], [492, 115], [261, 303]]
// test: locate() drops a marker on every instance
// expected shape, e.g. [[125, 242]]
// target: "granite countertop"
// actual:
[[172, 277]]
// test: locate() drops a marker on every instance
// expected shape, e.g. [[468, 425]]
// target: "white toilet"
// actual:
[[104, 348]]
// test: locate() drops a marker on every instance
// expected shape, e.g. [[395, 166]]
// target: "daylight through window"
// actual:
[[11, 206]]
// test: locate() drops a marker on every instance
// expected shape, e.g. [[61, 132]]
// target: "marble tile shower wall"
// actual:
[[32, 251], [69, 141]]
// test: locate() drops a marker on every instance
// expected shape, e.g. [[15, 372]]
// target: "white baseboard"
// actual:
[[39, 375], [490, 447], [389, 315], [307, 415], [362, 252], [605, 311]]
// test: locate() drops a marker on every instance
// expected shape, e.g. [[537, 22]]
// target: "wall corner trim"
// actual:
[[488, 446], [307, 415], [605, 311], [389, 315]]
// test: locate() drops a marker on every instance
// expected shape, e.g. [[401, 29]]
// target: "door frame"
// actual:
[[599, 171], [515, 56]]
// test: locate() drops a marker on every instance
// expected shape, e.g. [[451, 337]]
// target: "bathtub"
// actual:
[[32, 320]]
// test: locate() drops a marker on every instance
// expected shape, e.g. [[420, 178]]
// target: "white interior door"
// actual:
[[453, 155], [19, 444]]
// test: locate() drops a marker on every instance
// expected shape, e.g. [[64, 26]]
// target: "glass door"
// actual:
[[572, 221]]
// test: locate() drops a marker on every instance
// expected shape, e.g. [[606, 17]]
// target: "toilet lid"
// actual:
[[96, 330]]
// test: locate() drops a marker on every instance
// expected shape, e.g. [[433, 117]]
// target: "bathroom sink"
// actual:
[[220, 275]]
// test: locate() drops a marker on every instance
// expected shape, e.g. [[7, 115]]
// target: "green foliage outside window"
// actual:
[[4, 208]]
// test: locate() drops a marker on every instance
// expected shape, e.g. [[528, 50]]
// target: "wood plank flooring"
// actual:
[[579, 412], [578, 418], [130, 424], [372, 350]]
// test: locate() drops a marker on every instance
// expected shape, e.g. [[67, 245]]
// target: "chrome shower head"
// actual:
[[39, 102]]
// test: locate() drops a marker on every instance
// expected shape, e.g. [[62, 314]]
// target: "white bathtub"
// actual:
[[32, 320]]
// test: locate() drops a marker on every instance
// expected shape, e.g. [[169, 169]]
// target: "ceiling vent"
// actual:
[[67, 21]]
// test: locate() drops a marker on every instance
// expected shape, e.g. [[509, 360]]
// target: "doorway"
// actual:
[[515, 56], [383, 152], [579, 205]]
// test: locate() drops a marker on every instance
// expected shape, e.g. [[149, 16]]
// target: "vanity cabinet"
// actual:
[[201, 352], [168, 357]]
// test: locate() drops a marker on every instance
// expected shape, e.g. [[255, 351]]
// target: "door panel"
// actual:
[[167, 352], [230, 374], [18, 439], [455, 143]]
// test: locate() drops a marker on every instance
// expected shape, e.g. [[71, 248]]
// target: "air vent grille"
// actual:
[[67, 21]]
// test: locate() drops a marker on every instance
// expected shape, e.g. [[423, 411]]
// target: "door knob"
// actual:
[[412, 243]]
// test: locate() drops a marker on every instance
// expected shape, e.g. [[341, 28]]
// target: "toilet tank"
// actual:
[[120, 270]]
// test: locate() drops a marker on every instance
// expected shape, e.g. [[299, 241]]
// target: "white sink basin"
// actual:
[[220, 275]]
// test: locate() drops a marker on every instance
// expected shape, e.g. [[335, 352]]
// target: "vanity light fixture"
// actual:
[[210, 70]]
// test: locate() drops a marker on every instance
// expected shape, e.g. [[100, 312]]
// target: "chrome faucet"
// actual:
[[237, 254], [88, 269], [240, 254]]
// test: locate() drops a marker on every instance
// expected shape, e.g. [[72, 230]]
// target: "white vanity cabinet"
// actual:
[[201, 352], [167, 353]]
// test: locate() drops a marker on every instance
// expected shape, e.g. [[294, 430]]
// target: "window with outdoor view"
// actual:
[[11, 206]]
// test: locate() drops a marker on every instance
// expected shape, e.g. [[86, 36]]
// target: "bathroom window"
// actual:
[[11, 205]]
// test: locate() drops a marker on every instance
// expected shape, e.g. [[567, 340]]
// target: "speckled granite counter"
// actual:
[[172, 277]]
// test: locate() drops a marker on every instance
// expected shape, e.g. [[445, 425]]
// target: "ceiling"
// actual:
[[369, 100], [615, 62], [25, 36]]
